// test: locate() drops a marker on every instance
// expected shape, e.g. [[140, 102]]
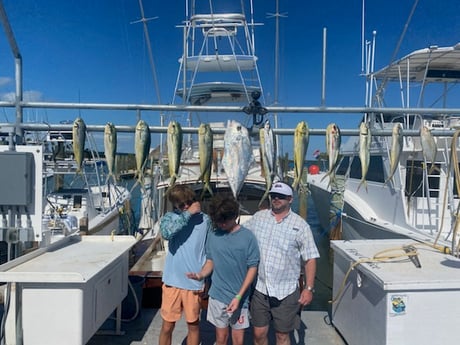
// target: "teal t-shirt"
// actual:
[[232, 255]]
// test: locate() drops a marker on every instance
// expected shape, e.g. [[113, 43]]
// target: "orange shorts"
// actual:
[[175, 300]]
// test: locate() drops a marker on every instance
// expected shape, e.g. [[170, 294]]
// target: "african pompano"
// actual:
[[174, 150], [429, 147], [396, 148], [205, 147], [141, 146], [333, 141], [110, 148], [301, 136], [268, 157], [238, 155], [364, 151], [78, 137]]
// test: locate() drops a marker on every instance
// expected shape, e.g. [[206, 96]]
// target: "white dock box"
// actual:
[[394, 302], [70, 288]]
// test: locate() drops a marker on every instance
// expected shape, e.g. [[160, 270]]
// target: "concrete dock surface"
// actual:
[[315, 330]]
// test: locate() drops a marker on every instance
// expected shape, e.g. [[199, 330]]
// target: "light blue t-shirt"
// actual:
[[186, 253], [232, 253]]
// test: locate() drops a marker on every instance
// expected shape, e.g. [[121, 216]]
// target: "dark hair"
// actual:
[[181, 193], [223, 207]]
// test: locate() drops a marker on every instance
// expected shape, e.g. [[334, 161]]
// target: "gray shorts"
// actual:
[[285, 313], [219, 317]]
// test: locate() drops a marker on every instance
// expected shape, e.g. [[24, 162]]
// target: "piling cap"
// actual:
[[281, 188]]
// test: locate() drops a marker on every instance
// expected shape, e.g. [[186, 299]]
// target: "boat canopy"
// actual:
[[222, 92], [436, 64], [221, 63]]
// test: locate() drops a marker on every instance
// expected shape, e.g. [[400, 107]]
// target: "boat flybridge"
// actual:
[[421, 200]]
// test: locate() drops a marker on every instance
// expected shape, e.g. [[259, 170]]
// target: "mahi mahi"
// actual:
[[110, 148], [268, 157], [301, 136], [238, 155], [78, 137], [364, 151], [205, 147], [141, 147], [333, 141], [429, 147], [396, 148], [174, 150]]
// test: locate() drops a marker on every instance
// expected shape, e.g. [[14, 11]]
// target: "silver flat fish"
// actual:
[[174, 150], [333, 141], [429, 147], [238, 156], [364, 151], [110, 148], [79, 138], [141, 146], [396, 148], [301, 138], [268, 157]]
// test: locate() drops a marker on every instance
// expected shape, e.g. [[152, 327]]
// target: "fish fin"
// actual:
[[295, 185], [206, 187], [433, 168]]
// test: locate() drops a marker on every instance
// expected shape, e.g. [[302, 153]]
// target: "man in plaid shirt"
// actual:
[[285, 242]]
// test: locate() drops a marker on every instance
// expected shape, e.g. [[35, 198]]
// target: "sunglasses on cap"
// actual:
[[279, 196]]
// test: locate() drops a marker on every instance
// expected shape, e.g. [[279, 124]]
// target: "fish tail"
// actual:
[[206, 187], [264, 197], [172, 182], [295, 185], [363, 182]]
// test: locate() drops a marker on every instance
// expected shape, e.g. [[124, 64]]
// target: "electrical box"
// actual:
[[397, 301], [17, 177]]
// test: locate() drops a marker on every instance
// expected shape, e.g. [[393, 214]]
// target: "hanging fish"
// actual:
[[238, 155], [141, 147], [364, 151], [396, 148], [333, 141], [78, 138], [174, 150], [268, 157], [301, 137], [110, 148], [205, 148], [429, 147]]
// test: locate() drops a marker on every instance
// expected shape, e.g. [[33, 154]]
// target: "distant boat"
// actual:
[[418, 201]]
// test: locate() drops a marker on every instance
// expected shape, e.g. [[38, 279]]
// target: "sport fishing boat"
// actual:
[[218, 67], [411, 171], [84, 204]]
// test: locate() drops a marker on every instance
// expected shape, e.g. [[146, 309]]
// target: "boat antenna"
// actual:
[[395, 52], [144, 21], [277, 15]]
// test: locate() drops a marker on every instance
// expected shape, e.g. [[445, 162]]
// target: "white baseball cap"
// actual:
[[281, 188]]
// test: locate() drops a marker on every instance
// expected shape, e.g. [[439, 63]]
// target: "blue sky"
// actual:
[[89, 51]]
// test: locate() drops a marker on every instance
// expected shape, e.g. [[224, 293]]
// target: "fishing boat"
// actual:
[[412, 170], [218, 67]]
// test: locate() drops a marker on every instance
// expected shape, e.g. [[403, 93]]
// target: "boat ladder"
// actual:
[[438, 194]]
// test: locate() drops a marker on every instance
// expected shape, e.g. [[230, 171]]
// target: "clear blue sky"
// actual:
[[88, 51]]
